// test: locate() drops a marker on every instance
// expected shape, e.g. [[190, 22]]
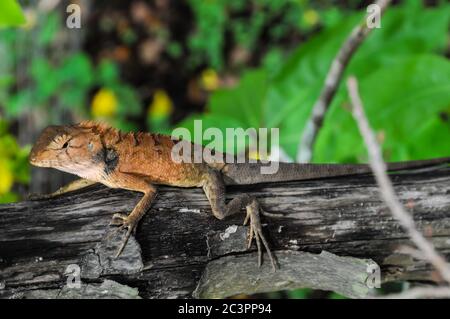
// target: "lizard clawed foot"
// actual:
[[255, 232], [124, 222]]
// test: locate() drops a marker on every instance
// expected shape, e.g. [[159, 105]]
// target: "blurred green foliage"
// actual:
[[299, 293], [13, 159], [37, 75], [49, 77], [10, 13], [13, 164], [245, 22], [404, 83]]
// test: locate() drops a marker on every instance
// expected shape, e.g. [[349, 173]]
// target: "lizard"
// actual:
[[139, 161]]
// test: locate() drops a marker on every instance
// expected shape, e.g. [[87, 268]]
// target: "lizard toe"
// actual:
[[118, 219], [130, 225], [256, 233], [123, 221]]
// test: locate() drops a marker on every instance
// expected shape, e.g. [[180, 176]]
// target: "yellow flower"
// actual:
[[311, 17], [6, 177], [104, 103], [161, 105], [209, 80]]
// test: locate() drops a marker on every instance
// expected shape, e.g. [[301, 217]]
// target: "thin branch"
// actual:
[[334, 76], [385, 186]]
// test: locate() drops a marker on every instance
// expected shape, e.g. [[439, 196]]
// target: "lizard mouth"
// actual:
[[35, 162]]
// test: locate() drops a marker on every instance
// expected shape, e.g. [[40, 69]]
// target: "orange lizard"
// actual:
[[99, 153]]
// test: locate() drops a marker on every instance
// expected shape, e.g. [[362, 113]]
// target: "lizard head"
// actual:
[[71, 149]]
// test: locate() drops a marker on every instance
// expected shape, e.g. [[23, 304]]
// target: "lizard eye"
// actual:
[[65, 145]]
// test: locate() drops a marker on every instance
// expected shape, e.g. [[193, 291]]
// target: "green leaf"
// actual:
[[403, 80], [108, 73], [302, 293], [220, 122], [76, 70], [10, 14], [50, 26], [8, 146], [335, 295], [128, 100], [208, 40], [45, 77], [244, 101], [239, 107], [73, 98], [21, 168], [403, 103], [8, 198], [18, 103], [294, 90]]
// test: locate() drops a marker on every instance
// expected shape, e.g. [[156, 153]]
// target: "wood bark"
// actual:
[[330, 232]]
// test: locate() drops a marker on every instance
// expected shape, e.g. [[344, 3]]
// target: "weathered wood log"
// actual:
[[183, 248]]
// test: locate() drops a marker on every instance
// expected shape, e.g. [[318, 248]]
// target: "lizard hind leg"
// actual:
[[214, 188]]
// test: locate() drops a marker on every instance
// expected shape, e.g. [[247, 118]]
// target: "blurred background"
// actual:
[[157, 65]]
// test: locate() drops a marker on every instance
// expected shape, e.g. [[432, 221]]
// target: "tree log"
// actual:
[[184, 252]]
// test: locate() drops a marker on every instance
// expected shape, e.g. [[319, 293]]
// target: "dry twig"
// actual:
[[387, 191], [334, 76]]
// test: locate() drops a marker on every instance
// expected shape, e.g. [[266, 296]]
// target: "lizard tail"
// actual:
[[254, 173]]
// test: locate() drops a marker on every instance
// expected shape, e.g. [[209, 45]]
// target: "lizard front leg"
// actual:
[[72, 186], [131, 221], [214, 189]]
